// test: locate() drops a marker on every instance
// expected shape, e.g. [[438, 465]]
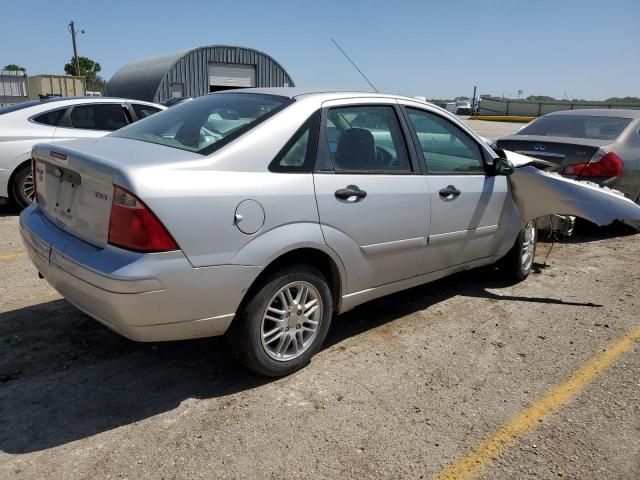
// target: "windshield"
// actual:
[[577, 126], [207, 123]]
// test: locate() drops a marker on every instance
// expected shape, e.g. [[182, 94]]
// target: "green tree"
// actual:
[[623, 100], [541, 98], [14, 68], [88, 68]]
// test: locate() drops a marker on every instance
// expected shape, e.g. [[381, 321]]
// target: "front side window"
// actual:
[[108, 117], [204, 124], [445, 147], [143, 111], [366, 139]]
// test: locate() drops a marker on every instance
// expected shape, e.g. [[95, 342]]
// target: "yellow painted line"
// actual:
[[475, 461], [11, 256]]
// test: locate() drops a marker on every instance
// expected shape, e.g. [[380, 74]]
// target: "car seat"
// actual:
[[356, 150]]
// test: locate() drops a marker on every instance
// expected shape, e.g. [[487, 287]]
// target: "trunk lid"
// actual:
[[75, 179], [73, 192], [561, 151]]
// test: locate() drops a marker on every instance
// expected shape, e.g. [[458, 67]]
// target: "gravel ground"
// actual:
[[405, 385]]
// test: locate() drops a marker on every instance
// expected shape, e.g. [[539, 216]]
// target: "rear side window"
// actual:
[[108, 117], [143, 111], [363, 138], [50, 118], [299, 153]]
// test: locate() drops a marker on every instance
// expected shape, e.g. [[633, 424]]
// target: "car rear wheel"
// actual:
[[284, 323], [516, 265], [22, 188]]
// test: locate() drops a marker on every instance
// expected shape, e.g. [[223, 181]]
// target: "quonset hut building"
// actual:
[[196, 72]]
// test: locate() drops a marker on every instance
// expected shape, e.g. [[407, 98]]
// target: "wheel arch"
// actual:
[[22, 163], [316, 257]]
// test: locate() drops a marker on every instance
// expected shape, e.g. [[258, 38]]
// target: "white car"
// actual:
[[25, 124]]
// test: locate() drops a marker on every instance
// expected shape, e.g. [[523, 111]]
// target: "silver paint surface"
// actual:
[[400, 235]]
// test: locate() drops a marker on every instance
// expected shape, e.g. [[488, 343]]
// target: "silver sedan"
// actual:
[[262, 213]]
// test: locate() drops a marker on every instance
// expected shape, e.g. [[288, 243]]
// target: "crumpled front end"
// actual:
[[538, 193]]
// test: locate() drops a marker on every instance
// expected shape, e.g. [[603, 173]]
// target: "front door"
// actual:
[[373, 205], [466, 203]]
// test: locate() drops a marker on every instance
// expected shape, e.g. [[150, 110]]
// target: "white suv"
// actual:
[[25, 124]]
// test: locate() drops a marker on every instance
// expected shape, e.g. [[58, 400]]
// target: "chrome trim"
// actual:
[[540, 154]]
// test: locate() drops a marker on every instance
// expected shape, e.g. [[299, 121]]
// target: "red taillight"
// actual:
[[134, 227], [602, 164]]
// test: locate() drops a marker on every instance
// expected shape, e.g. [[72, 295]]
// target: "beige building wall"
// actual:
[[64, 85]]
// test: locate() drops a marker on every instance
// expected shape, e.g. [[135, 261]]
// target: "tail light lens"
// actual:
[[134, 227], [602, 164]]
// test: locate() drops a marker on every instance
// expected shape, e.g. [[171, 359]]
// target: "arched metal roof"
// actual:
[[150, 79]]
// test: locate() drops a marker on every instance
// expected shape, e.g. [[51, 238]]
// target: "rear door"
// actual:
[[466, 203], [92, 120], [372, 201]]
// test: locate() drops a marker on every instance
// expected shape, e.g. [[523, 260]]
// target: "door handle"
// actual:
[[449, 191], [349, 192]]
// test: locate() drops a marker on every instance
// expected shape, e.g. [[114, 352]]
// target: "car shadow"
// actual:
[[64, 377], [9, 210], [586, 232], [475, 283]]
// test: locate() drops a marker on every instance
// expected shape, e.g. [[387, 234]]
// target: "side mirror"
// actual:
[[502, 166]]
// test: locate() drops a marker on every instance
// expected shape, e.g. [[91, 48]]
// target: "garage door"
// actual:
[[228, 75]]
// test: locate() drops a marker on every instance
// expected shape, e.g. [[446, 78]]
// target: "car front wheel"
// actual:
[[517, 264], [285, 321], [23, 188]]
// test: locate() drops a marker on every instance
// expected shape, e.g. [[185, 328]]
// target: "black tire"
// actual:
[[512, 265], [245, 334], [22, 175]]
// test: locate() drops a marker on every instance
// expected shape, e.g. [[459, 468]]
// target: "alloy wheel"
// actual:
[[528, 245], [27, 188], [291, 321]]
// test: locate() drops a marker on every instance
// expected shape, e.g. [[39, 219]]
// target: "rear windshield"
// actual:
[[206, 123], [577, 126]]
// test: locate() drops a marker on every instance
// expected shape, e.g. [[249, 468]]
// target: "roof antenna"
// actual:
[[354, 65]]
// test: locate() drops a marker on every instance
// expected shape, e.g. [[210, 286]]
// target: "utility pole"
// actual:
[[72, 29], [473, 101]]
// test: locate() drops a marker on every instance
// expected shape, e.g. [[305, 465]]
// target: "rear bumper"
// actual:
[[145, 297]]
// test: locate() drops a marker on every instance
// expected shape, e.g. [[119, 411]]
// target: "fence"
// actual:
[[499, 106], [13, 87]]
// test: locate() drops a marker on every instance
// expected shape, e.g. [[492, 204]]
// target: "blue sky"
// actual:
[[588, 49]]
